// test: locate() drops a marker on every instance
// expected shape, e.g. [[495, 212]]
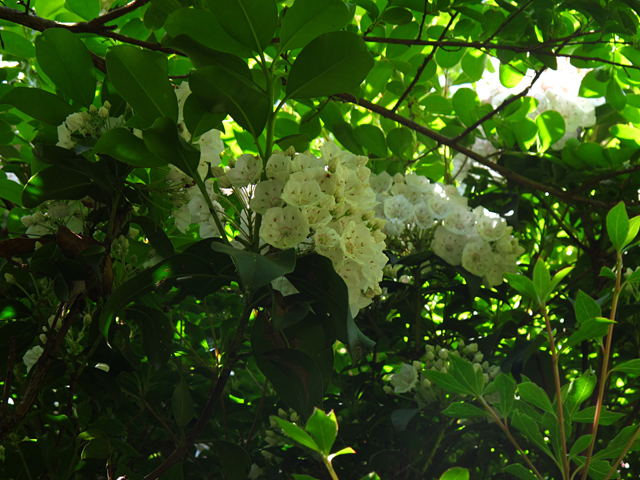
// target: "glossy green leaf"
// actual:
[[464, 372], [297, 434], [551, 128], [142, 82], [473, 64], [618, 225], [448, 382], [333, 63], [397, 16], [182, 404], [630, 366], [15, 44], [531, 429], [87, 9], [464, 410], [257, 270], [607, 273], [580, 389], [588, 414], [619, 444], [39, 104], [123, 145], [97, 448], [157, 333], [509, 76], [163, 140], [615, 96], [67, 62], [522, 284], [227, 90], [372, 138], [593, 329], [323, 428], [401, 142], [586, 307], [455, 473], [203, 27], [308, 19], [10, 190], [197, 119], [526, 132], [541, 281], [449, 58], [250, 22], [533, 394], [507, 388], [520, 472], [46, 185], [464, 100], [580, 445], [343, 131]]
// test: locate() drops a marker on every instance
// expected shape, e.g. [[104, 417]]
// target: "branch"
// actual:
[[449, 142], [118, 12], [500, 107], [424, 64]]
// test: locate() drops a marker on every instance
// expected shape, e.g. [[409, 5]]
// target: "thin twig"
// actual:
[[427, 59]]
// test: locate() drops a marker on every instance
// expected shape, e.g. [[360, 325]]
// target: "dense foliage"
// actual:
[[231, 226]]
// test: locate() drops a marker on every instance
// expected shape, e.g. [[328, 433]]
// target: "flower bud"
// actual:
[[282, 413], [43, 338], [387, 389], [417, 365], [430, 356], [93, 110], [485, 366], [478, 358], [426, 383], [486, 378], [10, 279]]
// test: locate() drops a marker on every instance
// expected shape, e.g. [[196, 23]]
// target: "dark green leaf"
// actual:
[[520, 472], [464, 410], [448, 382], [464, 100], [157, 333], [87, 9], [630, 366], [541, 281], [156, 235], [473, 64], [401, 417], [251, 23], [333, 63], [372, 138], [592, 329], [580, 445], [182, 404], [142, 82], [124, 146], [65, 59], [530, 428], [586, 307], [163, 140], [397, 16], [401, 142], [234, 460], [97, 448], [39, 104], [618, 225], [56, 183], [10, 190], [323, 428], [588, 414], [16, 44], [507, 388], [307, 19], [533, 394], [522, 284], [197, 119], [296, 433]]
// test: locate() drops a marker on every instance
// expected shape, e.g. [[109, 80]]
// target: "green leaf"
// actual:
[[580, 445], [634, 227], [464, 100], [15, 44], [157, 334], [65, 59], [142, 82], [533, 394], [397, 16], [97, 448], [541, 281], [39, 104], [520, 472], [615, 96], [229, 90], [510, 76], [257, 270], [618, 225], [155, 234], [302, 476], [123, 145], [526, 132], [308, 19], [87, 9], [10, 190], [522, 284], [372, 138], [473, 64], [551, 128], [464, 410], [56, 183], [203, 27], [586, 307], [251, 23], [619, 443], [197, 119], [297, 434], [448, 382], [344, 451], [401, 417], [507, 388], [464, 372], [559, 276], [588, 414], [401, 142], [323, 428], [607, 273], [630, 366], [164, 141], [182, 404], [580, 389], [300, 142], [447, 58], [530, 428], [333, 63], [455, 473], [592, 329]]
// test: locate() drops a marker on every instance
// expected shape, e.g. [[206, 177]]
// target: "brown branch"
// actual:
[[449, 142], [118, 12], [500, 107], [593, 182], [427, 59]]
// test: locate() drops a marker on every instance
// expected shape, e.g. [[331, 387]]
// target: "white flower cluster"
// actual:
[[89, 123], [411, 376], [45, 221], [555, 90], [477, 239], [327, 199]]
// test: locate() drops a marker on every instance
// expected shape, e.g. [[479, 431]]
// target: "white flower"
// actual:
[[405, 380], [490, 226], [31, 357], [448, 246], [267, 195], [58, 210], [278, 167], [477, 257], [284, 227], [247, 170], [460, 220], [398, 207], [255, 472], [64, 138], [102, 366], [381, 182], [211, 146]]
